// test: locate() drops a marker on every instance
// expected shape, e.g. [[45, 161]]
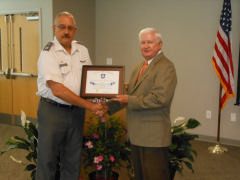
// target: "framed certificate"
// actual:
[[101, 81]]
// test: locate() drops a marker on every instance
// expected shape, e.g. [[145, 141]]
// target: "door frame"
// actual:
[[7, 118]]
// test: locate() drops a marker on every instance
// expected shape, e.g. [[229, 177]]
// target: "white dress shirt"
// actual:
[[56, 64]]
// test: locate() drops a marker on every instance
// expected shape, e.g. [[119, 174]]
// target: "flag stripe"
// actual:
[[219, 72], [230, 57], [221, 60], [221, 36], [221, 41]]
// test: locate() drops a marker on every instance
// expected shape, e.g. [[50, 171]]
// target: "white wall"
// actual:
[[189, 29], [45, 6]]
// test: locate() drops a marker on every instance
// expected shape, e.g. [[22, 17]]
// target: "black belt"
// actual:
[[49, 101]]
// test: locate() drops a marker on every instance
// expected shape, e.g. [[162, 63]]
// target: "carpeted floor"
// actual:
[[213, 167], [206, 166]]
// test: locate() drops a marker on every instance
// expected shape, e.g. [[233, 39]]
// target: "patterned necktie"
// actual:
[[143, 69]]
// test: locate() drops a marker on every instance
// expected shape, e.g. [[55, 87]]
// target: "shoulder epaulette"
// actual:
[[48, 46]]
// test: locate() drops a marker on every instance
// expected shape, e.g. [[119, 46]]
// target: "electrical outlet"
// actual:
[[109, 61], [233, 117], [208, 114]]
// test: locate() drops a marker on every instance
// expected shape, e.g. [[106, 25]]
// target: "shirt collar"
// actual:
[[59, 47], [149, 61]]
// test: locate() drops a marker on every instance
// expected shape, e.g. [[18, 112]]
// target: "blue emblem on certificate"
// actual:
[[103, 76]]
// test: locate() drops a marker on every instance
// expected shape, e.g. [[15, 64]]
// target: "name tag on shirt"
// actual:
[[62, 65]]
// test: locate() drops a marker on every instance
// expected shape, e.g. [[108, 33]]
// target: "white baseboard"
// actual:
[[225, 141]]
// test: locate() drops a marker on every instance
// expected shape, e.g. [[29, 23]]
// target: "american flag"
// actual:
[[222, 55]]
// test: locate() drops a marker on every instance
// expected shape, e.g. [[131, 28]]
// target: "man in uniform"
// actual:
[[61, 110]]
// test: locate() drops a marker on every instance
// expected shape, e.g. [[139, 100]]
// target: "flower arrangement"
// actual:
[[105, 145]]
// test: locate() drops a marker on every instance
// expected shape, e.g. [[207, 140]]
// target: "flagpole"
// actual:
[[218, 148], [219, 113]]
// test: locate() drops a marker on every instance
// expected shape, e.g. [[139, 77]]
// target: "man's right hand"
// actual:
[[105, 107], [97, 108]]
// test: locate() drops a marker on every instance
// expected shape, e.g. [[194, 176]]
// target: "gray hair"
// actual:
[[149, 30], [64, 13]]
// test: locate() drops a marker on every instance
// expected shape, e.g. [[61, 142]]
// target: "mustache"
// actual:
[[66, 36]]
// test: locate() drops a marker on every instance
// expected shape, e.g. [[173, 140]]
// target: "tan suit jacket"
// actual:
[[148, 109]]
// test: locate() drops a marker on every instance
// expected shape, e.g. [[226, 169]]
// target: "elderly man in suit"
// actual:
[[150, 92]]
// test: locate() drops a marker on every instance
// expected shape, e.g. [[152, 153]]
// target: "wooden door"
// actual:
[[18, 79]]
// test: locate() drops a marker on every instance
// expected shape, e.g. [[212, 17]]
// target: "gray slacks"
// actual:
[[150, 163], [60, 133]]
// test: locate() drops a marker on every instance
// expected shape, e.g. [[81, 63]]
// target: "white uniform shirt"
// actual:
[[56, 64]]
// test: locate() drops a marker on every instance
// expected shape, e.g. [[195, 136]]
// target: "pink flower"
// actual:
[[98, 159], [102, 119], [112, 158], [89, 144], [99, 167], [95, 136], [87, 120]]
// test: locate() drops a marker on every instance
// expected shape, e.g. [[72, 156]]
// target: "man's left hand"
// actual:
[[123, 99]]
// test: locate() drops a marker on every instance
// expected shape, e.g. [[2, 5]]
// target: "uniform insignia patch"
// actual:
[[48, 46]]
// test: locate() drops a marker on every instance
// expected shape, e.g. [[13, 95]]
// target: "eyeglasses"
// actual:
[[63, 28]]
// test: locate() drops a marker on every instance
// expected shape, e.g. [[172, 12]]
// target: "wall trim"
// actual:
[[7, 119], [224, 141]]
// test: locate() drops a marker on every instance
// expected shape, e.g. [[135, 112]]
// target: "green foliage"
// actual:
[[29, 144], [105, 145], [107, 138], [180, 151]]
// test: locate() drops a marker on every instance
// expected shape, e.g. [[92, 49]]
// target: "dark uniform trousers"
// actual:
[[60, 132], [150, 163]]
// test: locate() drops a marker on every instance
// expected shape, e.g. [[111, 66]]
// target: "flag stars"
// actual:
[[226, 17]]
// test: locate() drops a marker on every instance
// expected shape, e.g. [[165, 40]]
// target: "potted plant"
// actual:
[[181, 152], [29, 144], [105, 147]]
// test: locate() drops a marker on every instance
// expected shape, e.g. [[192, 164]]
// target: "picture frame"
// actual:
[[102, 81]]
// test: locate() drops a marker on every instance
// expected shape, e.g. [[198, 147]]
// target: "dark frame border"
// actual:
[[86, 68]]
